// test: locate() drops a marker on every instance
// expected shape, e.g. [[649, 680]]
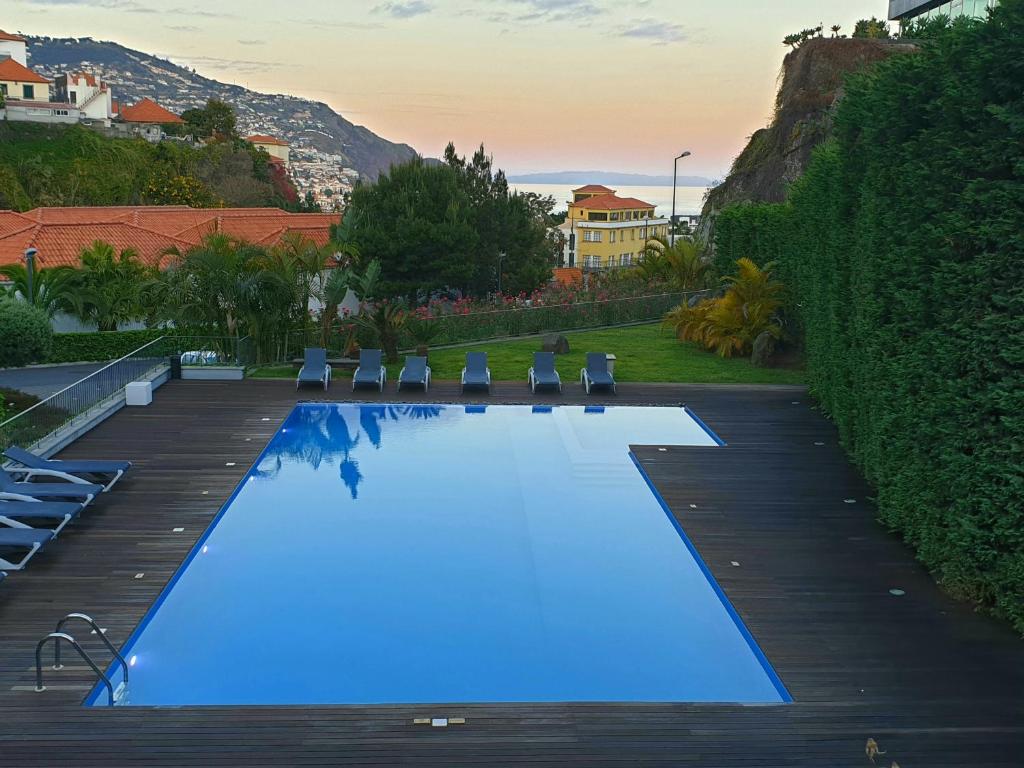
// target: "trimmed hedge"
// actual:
[[25, 334], [757, 231], [99, 346], [905, 245]]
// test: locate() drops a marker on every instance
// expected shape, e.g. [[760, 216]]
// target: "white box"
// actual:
[[138, 393]]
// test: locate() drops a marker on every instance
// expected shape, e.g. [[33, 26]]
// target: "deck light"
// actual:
[[897, 592], [849, 501], [229, 463], [205, 549], [132, 660]]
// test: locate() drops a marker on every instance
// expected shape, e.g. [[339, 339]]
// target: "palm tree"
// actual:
[[835, 30], [681, 263], [110, 286], [384, 322], [55, 288], [730, 324]]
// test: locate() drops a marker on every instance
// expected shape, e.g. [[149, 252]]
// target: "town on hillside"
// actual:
[[88, 98]]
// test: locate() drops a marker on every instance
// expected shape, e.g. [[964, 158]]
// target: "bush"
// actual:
[[906, 250], [90, 347], [25, 334]]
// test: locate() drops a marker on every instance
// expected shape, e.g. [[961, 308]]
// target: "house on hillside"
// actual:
[[88, 93], [14, 47], [20, 83], [146, 119], [276, 148]]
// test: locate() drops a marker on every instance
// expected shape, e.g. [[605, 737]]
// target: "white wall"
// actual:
[[15, 50]]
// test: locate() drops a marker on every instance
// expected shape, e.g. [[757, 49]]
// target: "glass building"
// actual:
[[905, 11]]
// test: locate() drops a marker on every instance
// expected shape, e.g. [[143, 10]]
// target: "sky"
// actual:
[[546, 85]]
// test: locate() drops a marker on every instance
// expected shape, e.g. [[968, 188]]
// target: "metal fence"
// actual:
[[72, 405], [520, 321]]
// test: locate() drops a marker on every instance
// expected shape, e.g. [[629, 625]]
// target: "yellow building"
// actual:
[[19, 83], [607, 230]]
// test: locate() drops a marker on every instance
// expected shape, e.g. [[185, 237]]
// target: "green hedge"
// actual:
[[906, 248], [757, 231], [89, 347]]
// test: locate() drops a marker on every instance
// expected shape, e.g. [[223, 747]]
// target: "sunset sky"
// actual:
[[545, 84]]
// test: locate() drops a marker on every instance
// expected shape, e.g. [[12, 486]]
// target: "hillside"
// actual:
[[71, 165], [811, 82], [309, 126]]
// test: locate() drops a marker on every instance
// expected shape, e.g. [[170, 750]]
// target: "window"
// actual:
[[591, 262], [643, 233], [632, 234], [615, 217], [591, 236], [60, 111], [74, 96], [625, 259], [592, 216], [3, 88], [611, 237], [28, 91]]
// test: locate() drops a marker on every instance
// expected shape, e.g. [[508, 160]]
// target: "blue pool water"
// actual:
[[409, 553]]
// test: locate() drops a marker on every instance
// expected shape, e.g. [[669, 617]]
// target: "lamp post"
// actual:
[[30, 269], [501, 258], [672, 221]]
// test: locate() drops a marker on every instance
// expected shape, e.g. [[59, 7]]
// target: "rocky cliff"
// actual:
[[811, 82]]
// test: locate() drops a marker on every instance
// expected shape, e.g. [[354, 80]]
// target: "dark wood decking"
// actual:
[[936, 684]]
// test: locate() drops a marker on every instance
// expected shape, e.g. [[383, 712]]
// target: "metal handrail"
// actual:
[[99, 632], [42, 403], [57, 637]]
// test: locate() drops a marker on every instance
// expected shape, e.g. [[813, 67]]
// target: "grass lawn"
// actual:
[[645, 353]]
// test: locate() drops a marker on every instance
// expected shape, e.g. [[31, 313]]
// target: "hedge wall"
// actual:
[[758, 231], [89, 347], [906, 248]]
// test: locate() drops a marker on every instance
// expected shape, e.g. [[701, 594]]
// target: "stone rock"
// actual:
[[763, 349], [557, 343]]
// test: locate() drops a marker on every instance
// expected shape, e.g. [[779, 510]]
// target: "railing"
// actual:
[[520, 321], [72, 404], [62, 409]]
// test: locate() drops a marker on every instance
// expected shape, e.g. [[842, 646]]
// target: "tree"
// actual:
[[25, 333], [835, 30], [681, 264], [110, 286], [54, 288], [216, 120], [730, 324], [872, 28]]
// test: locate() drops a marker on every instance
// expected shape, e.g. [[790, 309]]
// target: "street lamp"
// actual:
[[30, 268], [501, 258], [672, 221]]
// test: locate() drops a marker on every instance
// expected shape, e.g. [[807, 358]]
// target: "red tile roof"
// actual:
[[611, 203], [60, 234], [13, 38], [594, 188], [148, 111], [261, 139], [75, 77], [10, 70], [568, 275]]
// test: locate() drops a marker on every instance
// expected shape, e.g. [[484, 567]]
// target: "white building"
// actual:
[[14, 47], [50, 112], [88, 93]]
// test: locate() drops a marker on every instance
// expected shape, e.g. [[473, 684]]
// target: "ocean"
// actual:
[[689, 200]]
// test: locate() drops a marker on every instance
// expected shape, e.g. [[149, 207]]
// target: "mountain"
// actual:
[[311, 127], [607, 177]]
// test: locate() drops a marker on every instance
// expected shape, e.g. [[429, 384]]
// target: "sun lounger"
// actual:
[[315, 369], [78, 490], [72, 470], [30, 540], [416, 371], [543, 373], [596, 373], [476, 374], [52, 515], [371, 370]]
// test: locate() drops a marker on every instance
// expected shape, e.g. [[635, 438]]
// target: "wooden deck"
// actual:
[[936, 684]]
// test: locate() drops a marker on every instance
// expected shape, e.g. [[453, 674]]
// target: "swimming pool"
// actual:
[[432, 553]]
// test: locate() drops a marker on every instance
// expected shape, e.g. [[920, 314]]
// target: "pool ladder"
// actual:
[[57, 636]]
